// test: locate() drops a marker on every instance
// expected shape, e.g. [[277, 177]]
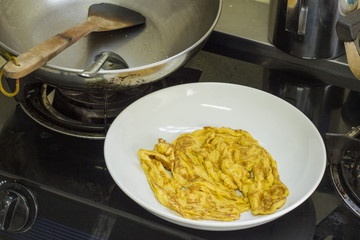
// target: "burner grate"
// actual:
[[350, 171], [344, 159], [89, 114], [96, 107]]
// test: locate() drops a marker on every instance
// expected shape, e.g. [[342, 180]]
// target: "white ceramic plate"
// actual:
[[286, 133]]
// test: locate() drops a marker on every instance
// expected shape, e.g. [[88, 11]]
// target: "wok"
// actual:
[[174, 32]]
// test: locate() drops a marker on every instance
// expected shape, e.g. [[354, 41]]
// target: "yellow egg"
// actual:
[[214, 174]]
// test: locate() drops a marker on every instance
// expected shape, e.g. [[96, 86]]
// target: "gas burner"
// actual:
[[88, 114], [78, 113], [96, 107], [344, 158], [350, 170]]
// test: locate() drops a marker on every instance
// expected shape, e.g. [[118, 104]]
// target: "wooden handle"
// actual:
[[353, 58], [42, 53]]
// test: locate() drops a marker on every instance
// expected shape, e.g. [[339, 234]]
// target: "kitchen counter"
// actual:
[[241, 33]]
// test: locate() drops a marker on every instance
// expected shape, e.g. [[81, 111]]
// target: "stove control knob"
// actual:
[[18, 207]]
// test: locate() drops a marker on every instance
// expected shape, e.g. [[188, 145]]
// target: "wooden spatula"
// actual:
[[101, 17]]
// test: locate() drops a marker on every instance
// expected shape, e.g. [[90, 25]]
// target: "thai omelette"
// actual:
[[214, 174]]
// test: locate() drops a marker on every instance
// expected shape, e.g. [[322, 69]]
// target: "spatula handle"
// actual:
[[42, 53]]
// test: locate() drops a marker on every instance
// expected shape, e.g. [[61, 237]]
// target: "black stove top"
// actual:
[[74, 169], [77, 198]]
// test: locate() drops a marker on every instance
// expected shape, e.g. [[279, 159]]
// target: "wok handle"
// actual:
[[42, 53], [348, 27]]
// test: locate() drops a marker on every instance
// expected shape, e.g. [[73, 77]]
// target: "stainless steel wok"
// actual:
[[173, 32]]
